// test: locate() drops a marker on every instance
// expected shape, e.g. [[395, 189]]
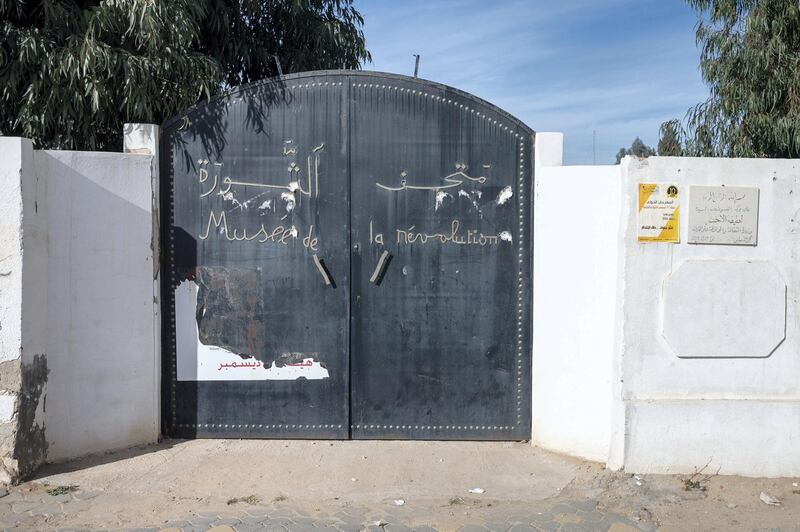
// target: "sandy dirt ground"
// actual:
[[363, 482]]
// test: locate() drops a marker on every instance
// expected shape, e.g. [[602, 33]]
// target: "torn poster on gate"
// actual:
[[197, 361]]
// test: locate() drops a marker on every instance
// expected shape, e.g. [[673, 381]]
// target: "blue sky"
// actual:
[[620, 67]]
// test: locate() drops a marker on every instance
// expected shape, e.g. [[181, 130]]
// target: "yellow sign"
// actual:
[[659, 207]]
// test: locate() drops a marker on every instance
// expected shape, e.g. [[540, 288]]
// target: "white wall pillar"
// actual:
[[576, 246], [145, 139], [549, 149], [140, 138], [23, 325]]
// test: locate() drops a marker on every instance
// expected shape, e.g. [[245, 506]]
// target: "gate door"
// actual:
[[347, 254], [257, 246], [441, 265]]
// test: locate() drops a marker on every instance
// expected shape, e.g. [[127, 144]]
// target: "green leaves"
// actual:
[[638, 149], [669, 143], [750, 58], [72, 72]]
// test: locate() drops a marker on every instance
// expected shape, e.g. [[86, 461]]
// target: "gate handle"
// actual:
[[380, 268], [323, 271]]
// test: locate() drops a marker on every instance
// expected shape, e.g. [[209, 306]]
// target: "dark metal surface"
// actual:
[[440, 347], [437, 342], [261, 293]]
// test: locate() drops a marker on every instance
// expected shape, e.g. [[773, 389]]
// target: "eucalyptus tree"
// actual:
[[750, 60], [638, 149], [669, 142], [73, 71]]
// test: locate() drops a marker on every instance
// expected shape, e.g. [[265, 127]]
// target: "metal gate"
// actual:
[[347, 254]]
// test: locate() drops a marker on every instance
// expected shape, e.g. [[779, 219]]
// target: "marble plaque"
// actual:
[[723, 215]]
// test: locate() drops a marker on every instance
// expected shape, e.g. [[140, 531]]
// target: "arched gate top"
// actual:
[[283, 86]]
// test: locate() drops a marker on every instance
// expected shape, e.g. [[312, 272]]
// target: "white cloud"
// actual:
[[574, 66]]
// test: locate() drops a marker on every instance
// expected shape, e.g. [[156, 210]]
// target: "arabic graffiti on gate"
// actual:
[[303, 180]]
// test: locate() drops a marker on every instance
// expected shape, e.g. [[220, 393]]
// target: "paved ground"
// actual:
[[383, 486], [39, 510]]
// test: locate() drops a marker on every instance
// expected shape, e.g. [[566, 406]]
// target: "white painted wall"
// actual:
[[23, 266], [31, 449], [742, 414], [11, 153], [102, 342], [618, 324], [35, 231], [576, 245], [608, 381]]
